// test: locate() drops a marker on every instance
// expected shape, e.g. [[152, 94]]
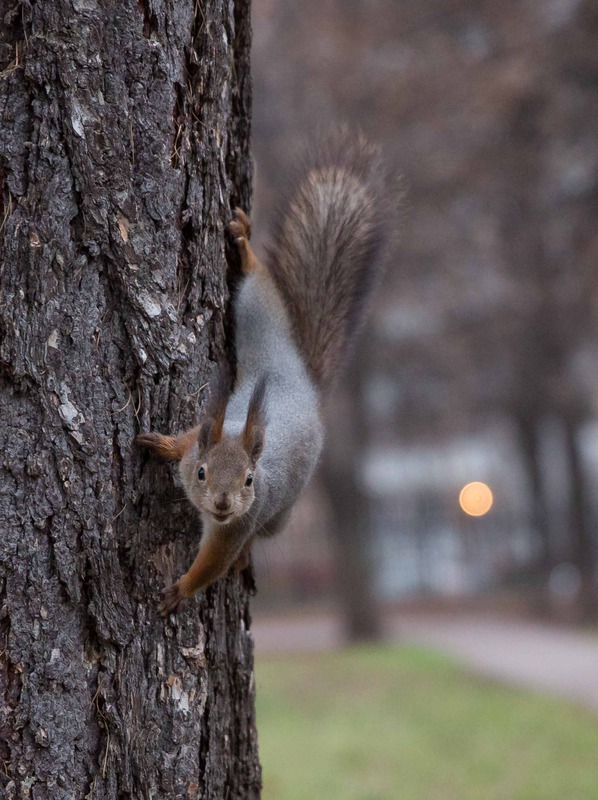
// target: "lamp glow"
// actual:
[[476, 499]]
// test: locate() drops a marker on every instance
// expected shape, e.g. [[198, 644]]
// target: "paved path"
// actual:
[[532, 655]]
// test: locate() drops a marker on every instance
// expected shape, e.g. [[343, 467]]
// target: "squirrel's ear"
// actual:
[[253, 442], [210, 433], [203, 437], [254, 432]]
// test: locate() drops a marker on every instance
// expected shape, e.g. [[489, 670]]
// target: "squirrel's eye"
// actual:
[[201, 474], [249, 480]]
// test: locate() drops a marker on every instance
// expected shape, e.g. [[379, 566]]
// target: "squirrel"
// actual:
[[245, 465]]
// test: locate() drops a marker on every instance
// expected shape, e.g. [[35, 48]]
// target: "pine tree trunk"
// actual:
[[124, 145]]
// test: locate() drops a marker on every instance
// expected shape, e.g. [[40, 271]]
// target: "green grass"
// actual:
[[383, 723]]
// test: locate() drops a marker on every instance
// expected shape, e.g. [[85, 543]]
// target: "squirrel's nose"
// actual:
[[223, 502]]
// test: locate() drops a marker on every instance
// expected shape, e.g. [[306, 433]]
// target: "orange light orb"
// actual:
[[476, 499]]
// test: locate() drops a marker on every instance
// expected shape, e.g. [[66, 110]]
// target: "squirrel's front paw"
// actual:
[[240, 226], [150, 440], [163, 446], [172, 598]]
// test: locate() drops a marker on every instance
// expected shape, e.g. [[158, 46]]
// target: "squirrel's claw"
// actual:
[[171, 600], [240, 229], [240, 226]]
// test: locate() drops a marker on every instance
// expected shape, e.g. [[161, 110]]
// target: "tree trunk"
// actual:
[[583, 548], [344, 454], [124, 145], [529, 435]]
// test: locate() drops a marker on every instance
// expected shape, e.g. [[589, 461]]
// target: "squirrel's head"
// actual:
[[220, 477]]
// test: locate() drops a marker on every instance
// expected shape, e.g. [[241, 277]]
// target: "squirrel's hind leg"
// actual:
[[240, 228]]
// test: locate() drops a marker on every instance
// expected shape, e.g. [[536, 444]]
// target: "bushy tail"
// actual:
[[327, 248]]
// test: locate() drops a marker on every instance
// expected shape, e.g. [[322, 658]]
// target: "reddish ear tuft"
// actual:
[[254, 438], [216, 435], [210, 433], [254, 432]]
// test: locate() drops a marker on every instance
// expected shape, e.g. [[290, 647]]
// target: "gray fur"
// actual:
[[265, 345]]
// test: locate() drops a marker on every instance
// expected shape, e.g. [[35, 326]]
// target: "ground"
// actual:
[[405, 723], [546, 657]]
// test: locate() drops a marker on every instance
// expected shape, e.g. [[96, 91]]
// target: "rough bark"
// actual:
[[124, 145]]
